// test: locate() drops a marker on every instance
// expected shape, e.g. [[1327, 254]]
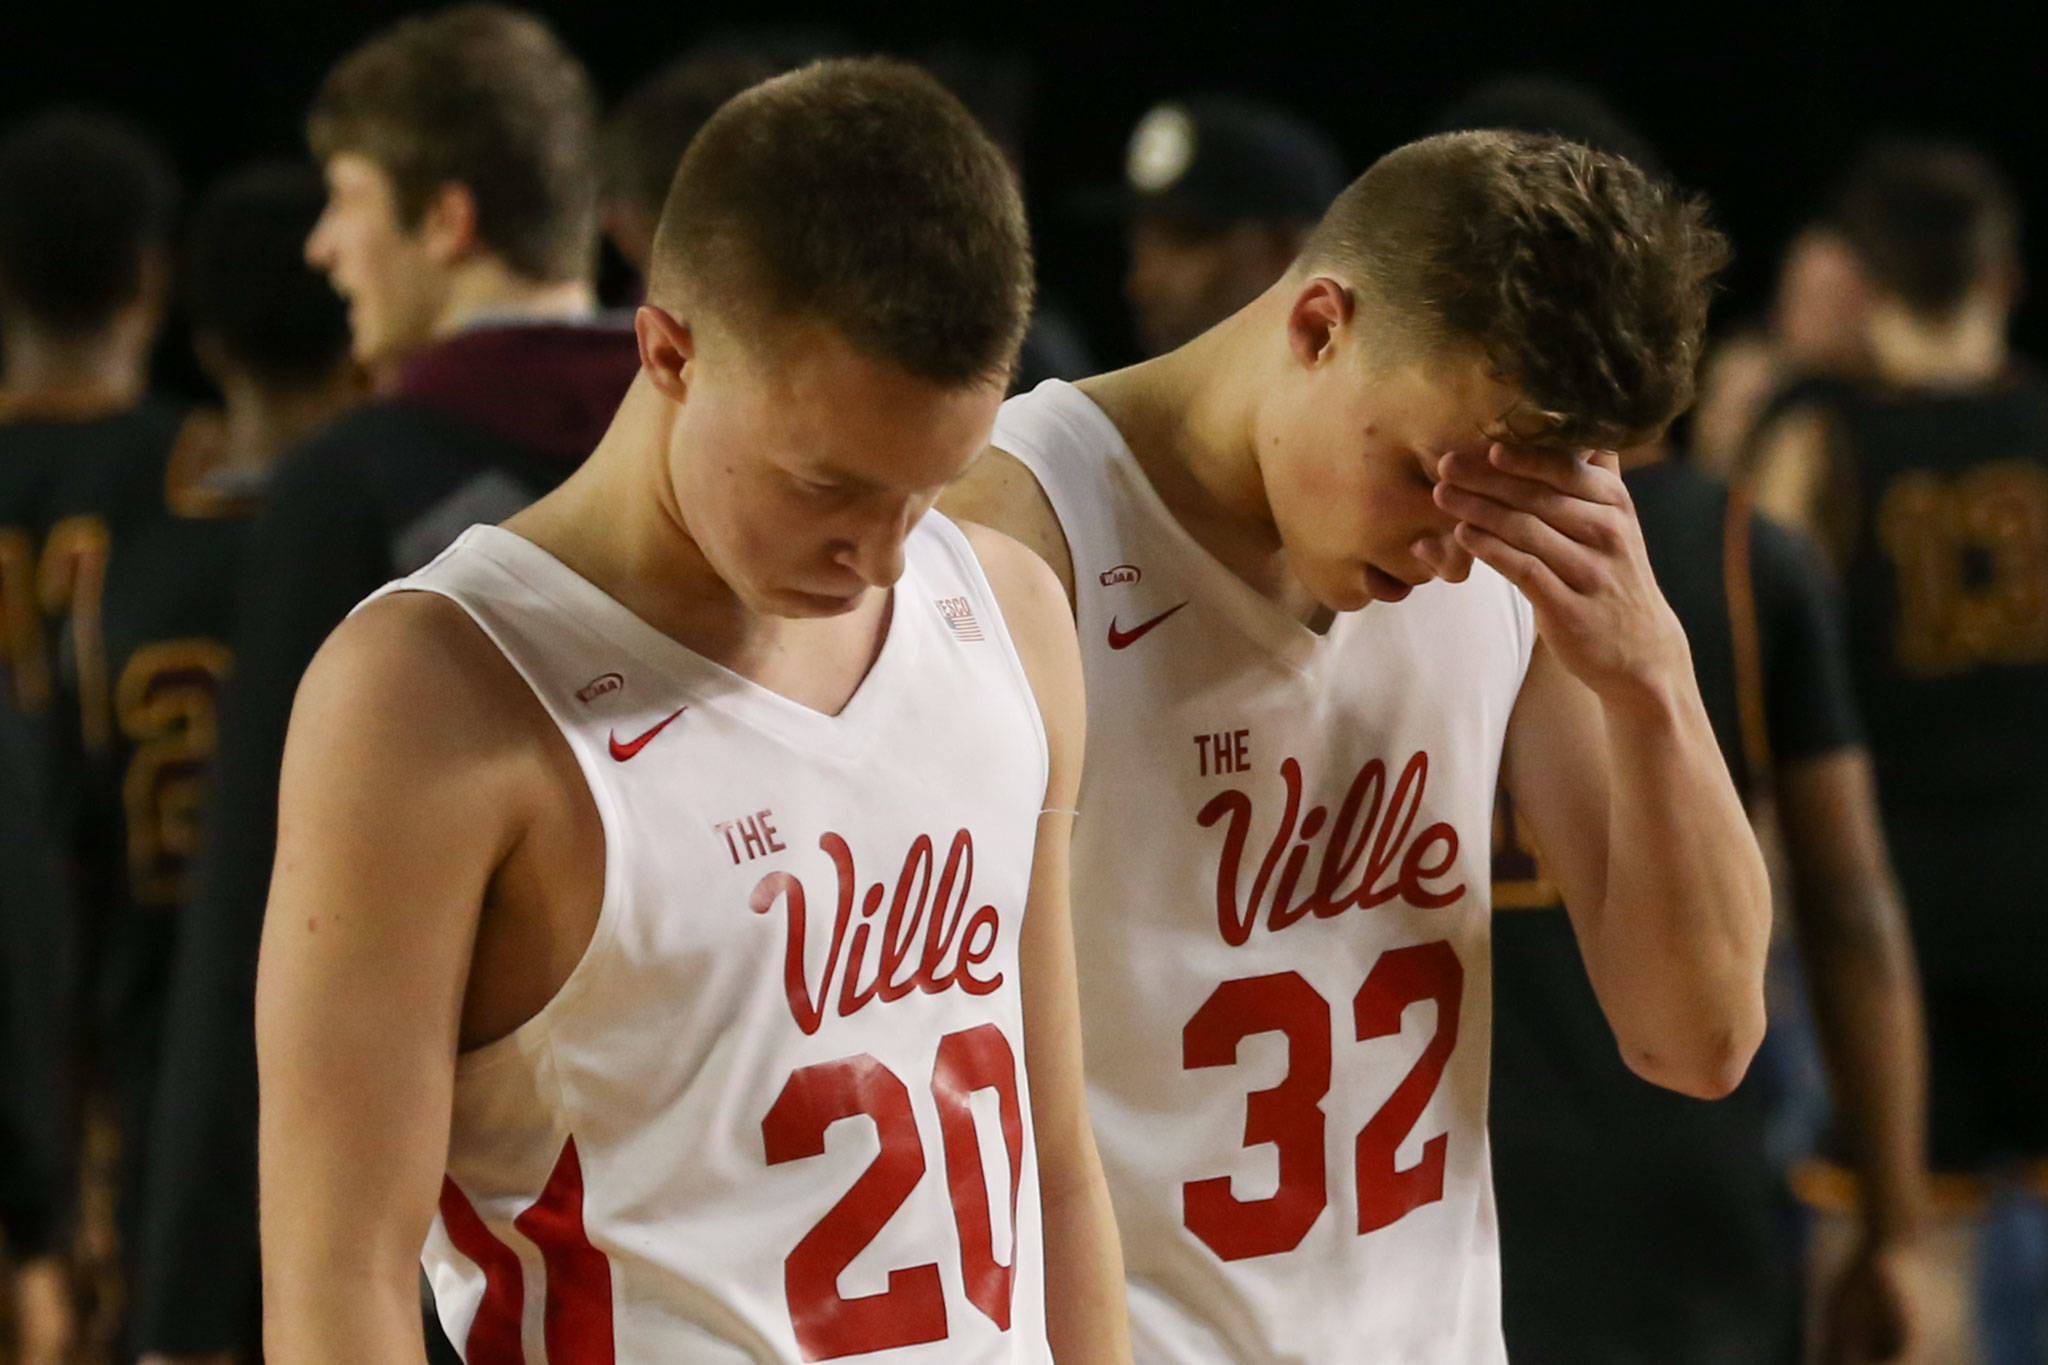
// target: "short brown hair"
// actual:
[[859, 194], [485, 97], [646, 135], [1929, 221], [1580, 278]]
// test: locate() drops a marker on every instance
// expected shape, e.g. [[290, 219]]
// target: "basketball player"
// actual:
[[1220, 193], [1679, 1249], [1281, 862], [86, 201], [459, 152], [563, 941], [1929, 486], [273, 337], [645, 135]]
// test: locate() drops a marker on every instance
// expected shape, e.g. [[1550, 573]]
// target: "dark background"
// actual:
[[1756, 104]]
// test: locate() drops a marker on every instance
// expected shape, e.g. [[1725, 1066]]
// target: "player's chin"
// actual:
[[1384, 587], [801, 602]]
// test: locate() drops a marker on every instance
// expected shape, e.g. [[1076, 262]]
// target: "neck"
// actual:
[[102, 371], [484, 288], [1959, 352], [1191, 418], [616, 522], [264, 420]]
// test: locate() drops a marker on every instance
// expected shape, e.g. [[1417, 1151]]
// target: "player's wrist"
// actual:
[[1654, 687]]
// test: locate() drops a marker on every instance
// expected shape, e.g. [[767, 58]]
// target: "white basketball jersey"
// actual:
[[1281, 893], [778, 1111]]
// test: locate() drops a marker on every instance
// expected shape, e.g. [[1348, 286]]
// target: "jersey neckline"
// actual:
[[706, 681], [1267, 626]]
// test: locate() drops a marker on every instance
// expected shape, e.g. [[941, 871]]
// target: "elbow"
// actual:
[[1706, 1063]]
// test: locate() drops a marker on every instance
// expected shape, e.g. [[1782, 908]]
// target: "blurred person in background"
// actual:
[[460, 154], [645, 136], [1928, 486], [1638, 1224], [999, 91], [1219, 196], [1816, 335], [86, 208], [272, 336], [35, 1165]]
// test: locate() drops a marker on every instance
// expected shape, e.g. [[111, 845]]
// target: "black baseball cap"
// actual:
[[1212, 160]]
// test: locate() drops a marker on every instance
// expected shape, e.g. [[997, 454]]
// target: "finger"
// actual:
[[1443, 559], [1588, 522], [1572, 473], [1538, 582], [1571, 561]]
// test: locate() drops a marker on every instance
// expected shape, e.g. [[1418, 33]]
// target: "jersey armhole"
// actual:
[[535, 1032]]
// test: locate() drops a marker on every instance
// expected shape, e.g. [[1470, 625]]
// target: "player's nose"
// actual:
[[876, 554], [319, 249]]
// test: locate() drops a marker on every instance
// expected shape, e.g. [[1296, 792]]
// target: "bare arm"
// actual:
[[1859, 967], [1613, 764], [997, 491], [1084, 1274], [388, 834]]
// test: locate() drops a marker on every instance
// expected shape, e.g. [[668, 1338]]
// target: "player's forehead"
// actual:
[[1450, 402], [864, 420], [356, 176]]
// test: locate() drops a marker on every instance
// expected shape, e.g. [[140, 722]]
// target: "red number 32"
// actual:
[[913, 1308], [1290, 1114]]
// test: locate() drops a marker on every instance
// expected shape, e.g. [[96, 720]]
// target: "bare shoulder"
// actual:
[[411, 683], [1033, 600], [998, 491], [1041, 625]]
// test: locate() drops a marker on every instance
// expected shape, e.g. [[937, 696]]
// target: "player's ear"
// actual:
[[666, 348], [1322, 309], [448, 227]]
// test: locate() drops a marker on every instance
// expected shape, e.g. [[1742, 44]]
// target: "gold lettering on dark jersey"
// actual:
[[164, 704], [1971, 557]]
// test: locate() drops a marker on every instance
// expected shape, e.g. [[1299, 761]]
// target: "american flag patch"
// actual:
[[959, 616]]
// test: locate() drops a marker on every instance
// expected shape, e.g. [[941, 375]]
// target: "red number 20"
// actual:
[[913, 1308], [1290, 1114]]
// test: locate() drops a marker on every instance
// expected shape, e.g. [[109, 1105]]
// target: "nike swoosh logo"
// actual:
[[1124, 639], [622, 752]]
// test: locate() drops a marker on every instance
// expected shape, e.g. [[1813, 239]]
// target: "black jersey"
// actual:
[[1946, 577], [62, 477], [481, 424], [1636, 1223], [35, 947], [1944, 552], [146, 721], [71, 482]]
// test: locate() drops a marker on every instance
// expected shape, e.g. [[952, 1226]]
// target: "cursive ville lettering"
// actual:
[[874, 967], [1372, 824]]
